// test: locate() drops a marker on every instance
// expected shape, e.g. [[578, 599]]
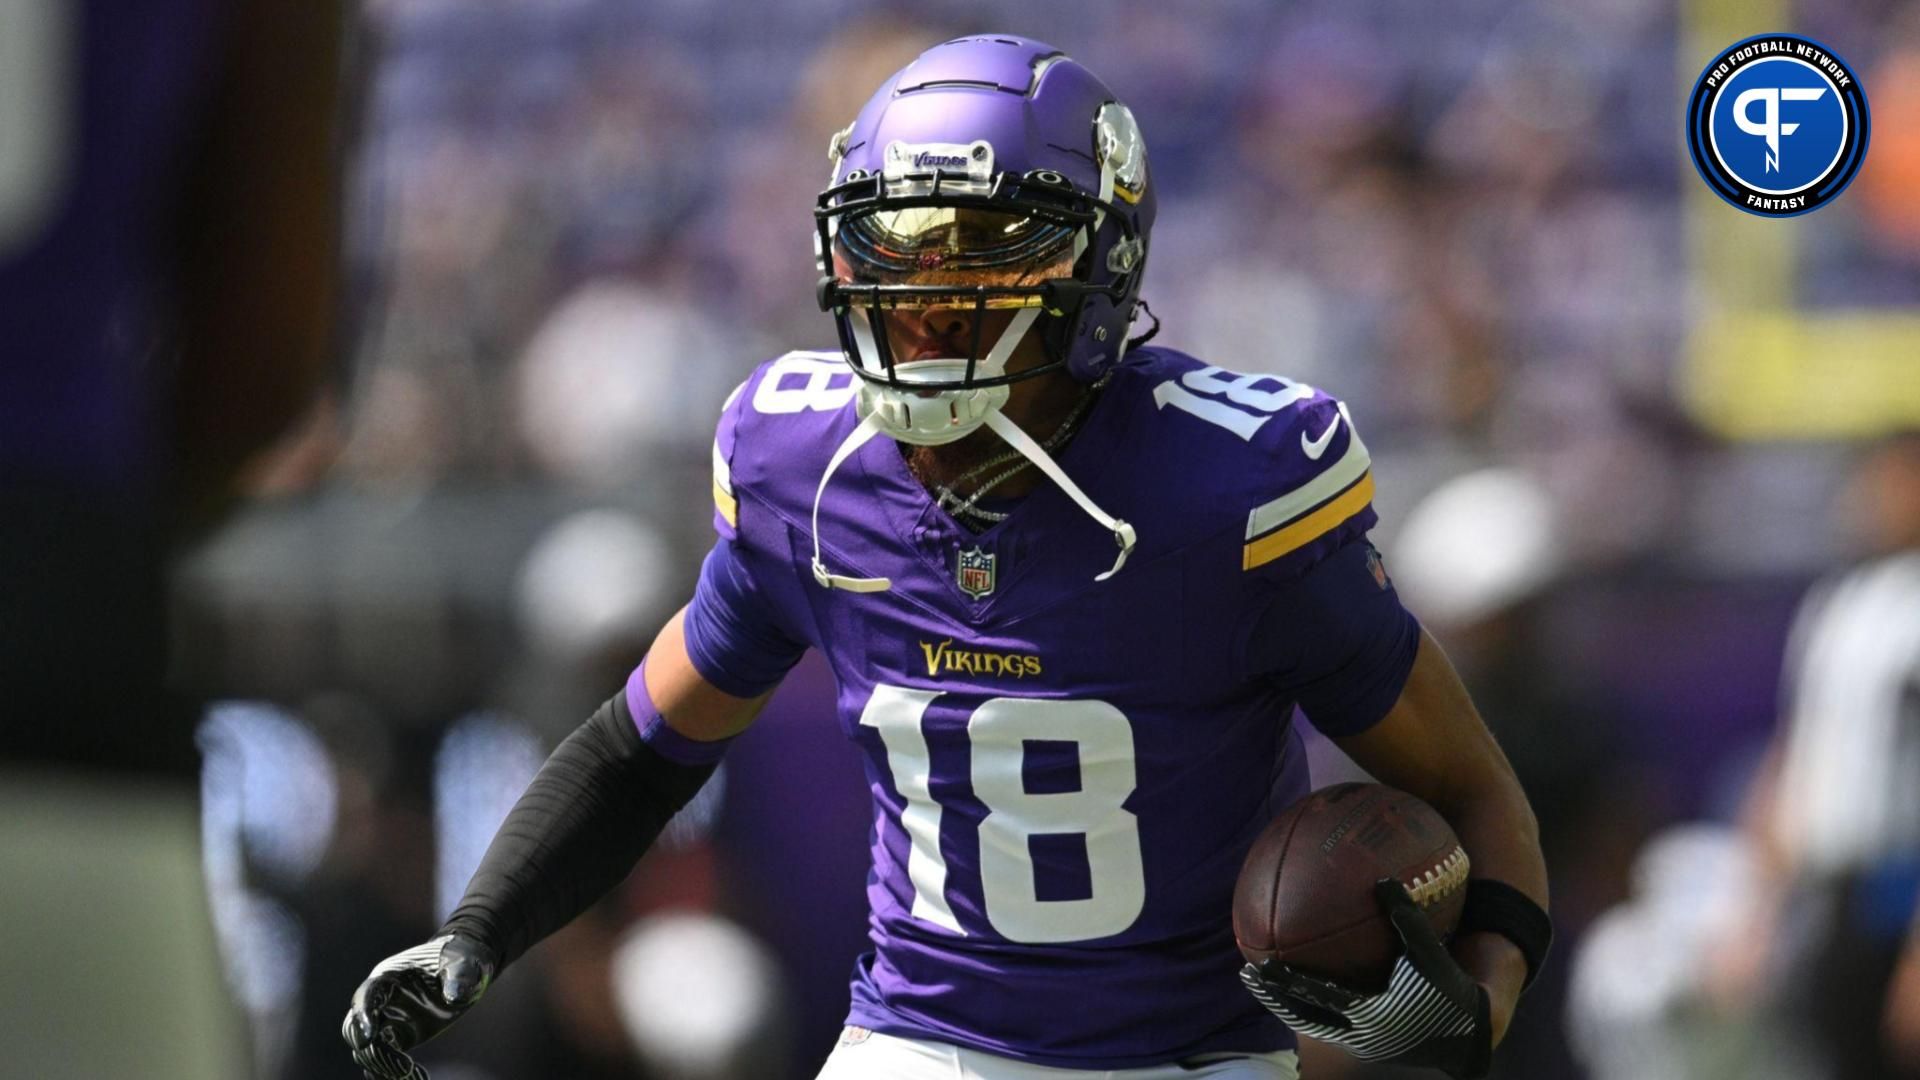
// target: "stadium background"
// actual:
[[576, 224]]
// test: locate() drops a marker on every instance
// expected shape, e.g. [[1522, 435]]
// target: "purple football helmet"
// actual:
[[992, 173], [996, 176]]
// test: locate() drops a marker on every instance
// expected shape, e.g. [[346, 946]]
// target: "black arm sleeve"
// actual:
[[590, 813]]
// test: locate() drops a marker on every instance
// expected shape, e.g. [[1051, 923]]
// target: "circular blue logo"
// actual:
[[1777, 125]]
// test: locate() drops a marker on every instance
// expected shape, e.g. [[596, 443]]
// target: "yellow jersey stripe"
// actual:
[[1337, 478], [1278, 543], [724, 502]]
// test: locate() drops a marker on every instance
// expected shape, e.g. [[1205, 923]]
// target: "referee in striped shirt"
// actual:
[[1835, 817]]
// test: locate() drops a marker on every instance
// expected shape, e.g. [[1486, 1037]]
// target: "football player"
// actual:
[[1071, 587]]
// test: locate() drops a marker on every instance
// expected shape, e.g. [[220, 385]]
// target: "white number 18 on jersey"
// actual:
[[998, 731]]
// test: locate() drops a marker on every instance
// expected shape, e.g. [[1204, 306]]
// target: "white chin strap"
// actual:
[[1123, 534], [873, 424], [936, 417], [855, 439]]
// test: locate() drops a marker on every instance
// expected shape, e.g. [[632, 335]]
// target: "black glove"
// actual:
[[409, 998], [1432, 1012]]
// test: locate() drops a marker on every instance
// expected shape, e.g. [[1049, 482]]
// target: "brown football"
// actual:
[[1305, 895]]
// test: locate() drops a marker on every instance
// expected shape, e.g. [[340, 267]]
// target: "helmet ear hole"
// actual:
[[1097, 344]]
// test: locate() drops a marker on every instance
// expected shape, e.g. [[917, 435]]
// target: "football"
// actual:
[[1305, 894]]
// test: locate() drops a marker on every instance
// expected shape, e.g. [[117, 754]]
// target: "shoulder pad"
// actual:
[[1321, 479], [1282, 455], [790, 406]]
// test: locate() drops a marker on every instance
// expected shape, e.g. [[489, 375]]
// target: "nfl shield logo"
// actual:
[[1377, 568], [976, 572]]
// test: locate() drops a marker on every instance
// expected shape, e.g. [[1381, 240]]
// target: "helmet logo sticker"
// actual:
[[837, 146], [974, 159], [1118, 145]]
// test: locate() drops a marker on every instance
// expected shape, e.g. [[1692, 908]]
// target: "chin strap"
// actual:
[[930, 418], [855, 440], [1122, 532]]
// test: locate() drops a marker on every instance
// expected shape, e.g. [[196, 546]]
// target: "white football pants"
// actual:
[[864, 1055]]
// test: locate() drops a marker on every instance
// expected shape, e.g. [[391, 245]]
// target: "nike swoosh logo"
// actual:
[[1313, 448]]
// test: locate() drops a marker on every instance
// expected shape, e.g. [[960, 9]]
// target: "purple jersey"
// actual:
[[1066, 775]]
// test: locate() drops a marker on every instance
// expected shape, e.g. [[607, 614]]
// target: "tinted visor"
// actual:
[[957, 246]]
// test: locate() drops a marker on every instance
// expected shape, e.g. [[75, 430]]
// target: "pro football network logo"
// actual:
[[1777, 125]]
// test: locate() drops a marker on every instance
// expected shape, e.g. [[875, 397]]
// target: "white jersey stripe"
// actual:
[[1338, 477], [722, 472]]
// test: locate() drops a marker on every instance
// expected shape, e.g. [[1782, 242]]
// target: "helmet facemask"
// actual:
[[954, 293], [1009, 253]]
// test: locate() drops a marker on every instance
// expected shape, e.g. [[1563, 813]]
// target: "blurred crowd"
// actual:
[[575, 225]]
